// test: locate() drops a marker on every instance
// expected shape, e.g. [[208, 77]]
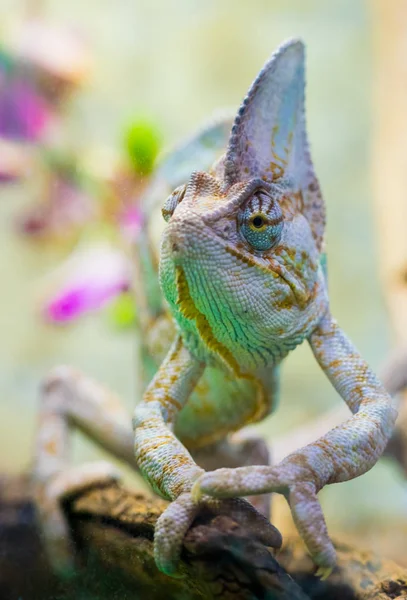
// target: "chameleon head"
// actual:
[[240, 258]]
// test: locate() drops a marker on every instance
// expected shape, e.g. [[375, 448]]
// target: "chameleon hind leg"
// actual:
[[70, 400], [240, 449]]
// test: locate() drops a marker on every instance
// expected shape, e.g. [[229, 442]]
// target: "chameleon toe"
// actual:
[[323, 572]]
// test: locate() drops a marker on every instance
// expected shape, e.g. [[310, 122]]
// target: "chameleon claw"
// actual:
[[323, 572]]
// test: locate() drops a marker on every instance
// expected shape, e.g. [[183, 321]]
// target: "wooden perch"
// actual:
[[113, 530]]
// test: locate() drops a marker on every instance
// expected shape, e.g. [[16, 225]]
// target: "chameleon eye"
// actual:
[[261, 222], [258, 221], [172, 202]]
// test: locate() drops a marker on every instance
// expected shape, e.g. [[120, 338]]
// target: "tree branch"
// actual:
[[113, 530]]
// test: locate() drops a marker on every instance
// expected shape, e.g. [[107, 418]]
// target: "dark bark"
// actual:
[[113, 529]]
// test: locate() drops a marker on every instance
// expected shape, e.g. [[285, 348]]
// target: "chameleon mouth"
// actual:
[[301, 293]]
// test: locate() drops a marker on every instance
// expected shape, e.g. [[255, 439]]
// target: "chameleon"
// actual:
[[241, 269]]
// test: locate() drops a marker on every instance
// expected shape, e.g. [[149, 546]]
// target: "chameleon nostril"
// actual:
[[175, 247], [225, 231]]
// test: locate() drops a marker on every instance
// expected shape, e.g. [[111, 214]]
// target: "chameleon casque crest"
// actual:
[[241, 271]]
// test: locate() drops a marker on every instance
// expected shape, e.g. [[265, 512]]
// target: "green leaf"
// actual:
[[142, 142]]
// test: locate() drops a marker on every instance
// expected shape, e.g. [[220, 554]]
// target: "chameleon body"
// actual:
[[241, 268]]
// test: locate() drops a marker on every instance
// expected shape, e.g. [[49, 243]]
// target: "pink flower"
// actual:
[[87, 281], [130, 222], [67, 209], [24, 113]]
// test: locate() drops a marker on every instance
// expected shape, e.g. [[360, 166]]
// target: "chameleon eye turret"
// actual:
[[261, 222]]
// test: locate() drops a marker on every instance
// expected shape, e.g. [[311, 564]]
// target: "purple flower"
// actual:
[[24, 114], [87, 281]]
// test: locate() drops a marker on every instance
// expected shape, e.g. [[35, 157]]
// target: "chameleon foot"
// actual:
[[301, 496], [49, 498], [170, 531], [323, 573], [174, 523]]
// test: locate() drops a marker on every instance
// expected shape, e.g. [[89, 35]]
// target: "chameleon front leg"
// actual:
[[162, 459], [345, 452], [164, 462], [170, 468], [71, 400]]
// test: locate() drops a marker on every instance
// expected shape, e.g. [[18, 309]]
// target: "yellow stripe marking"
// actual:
[[190, 312]]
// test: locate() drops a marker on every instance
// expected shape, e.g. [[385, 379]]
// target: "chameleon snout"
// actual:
[[182, 238], [175, 240]]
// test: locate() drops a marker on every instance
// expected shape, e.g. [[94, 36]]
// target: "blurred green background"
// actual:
[[177, 62]]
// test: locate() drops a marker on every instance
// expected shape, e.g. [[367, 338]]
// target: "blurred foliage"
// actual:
[[142, 142], [122, 311]]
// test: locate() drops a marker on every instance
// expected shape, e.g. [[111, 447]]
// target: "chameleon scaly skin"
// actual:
[[242, 272]]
